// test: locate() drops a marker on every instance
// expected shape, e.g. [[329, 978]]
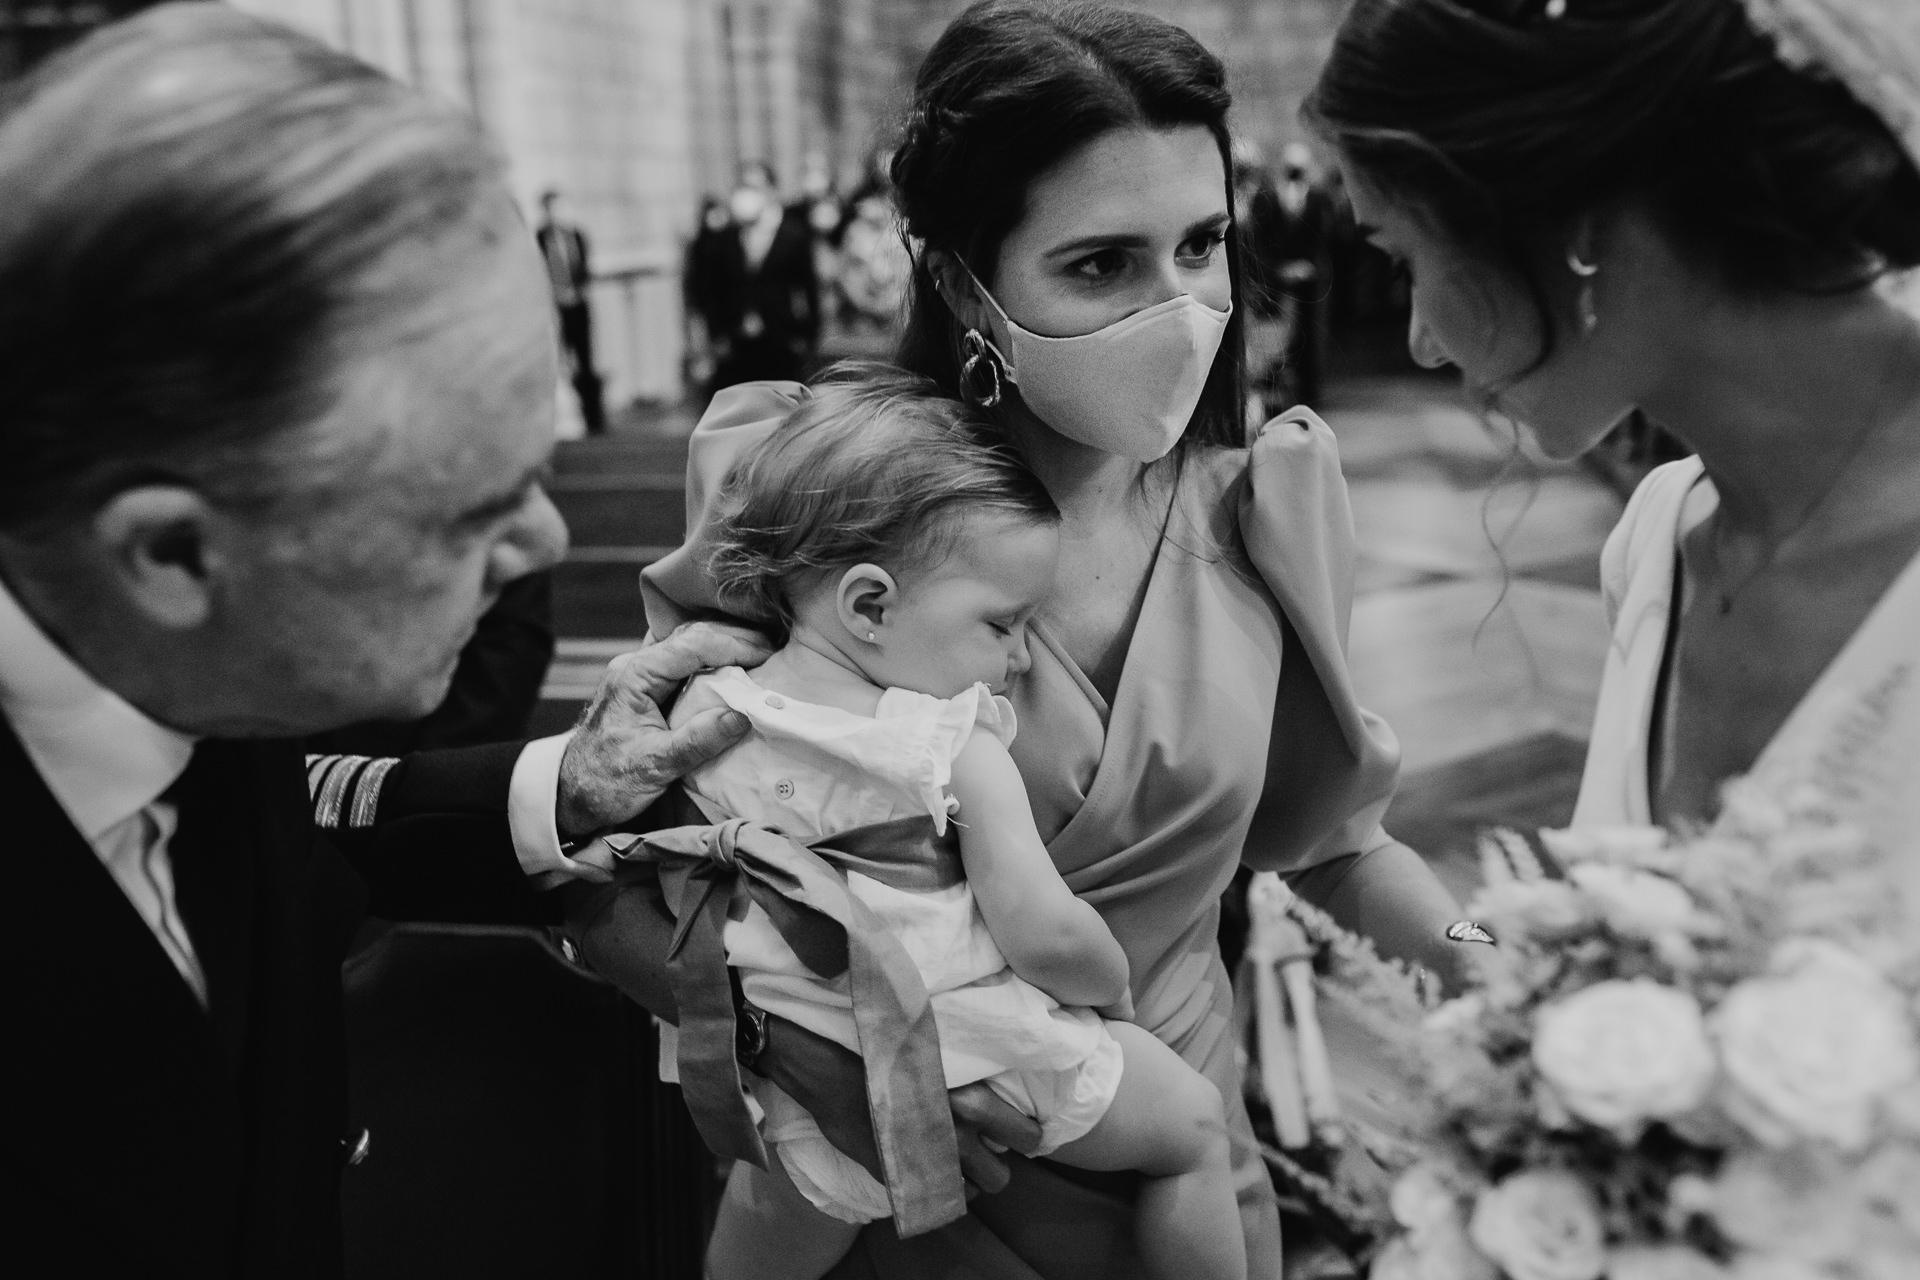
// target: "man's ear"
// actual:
[[958, 291], [157, 541], [865, 601]]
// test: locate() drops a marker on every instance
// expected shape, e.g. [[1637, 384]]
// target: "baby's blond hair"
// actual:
[[875, 466]]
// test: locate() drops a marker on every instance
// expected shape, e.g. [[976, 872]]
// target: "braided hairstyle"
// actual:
[[875, 466], [1009, 90], [1507, 120]]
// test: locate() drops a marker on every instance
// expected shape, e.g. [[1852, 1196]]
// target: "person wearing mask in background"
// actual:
[[564, 247], [765, 314]]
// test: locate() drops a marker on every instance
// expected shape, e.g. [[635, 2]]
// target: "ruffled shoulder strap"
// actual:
[[939, 728], [677, 588]]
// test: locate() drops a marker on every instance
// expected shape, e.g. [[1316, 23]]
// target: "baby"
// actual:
[[902, 548]]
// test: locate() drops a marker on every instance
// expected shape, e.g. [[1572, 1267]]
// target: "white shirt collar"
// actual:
[[103, 759]]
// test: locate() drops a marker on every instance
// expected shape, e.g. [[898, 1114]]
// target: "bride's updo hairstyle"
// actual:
[[1010, 89], [1507, 120]]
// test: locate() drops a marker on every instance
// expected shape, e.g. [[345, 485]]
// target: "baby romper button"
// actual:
[[784, 789]]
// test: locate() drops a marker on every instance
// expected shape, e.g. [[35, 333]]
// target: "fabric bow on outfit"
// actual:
[[710, 873]]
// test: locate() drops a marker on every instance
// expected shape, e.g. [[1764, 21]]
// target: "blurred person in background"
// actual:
[[703, 294], [564, 247], [1301, 219], [1257, 226], [764, 301], [875, 267], [826, 216]]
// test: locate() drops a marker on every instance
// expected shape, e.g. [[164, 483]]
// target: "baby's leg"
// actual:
[[767, 1230], [1166, 1121]]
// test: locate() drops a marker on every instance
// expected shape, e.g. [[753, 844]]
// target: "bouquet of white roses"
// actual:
[[1687, 1058]]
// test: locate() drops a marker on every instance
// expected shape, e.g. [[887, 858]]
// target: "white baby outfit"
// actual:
[[815, 771]]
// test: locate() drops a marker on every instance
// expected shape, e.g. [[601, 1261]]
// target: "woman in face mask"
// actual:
[[1064, 181]]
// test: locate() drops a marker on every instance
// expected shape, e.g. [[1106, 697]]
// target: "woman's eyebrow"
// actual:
[[1133, 239]]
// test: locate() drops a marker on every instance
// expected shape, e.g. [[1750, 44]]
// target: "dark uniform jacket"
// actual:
[[149, 1136]]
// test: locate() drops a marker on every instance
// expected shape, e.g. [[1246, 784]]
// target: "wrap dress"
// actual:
[[1234, 730]]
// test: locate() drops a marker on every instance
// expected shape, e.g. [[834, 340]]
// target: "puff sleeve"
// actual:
[[1331, 764], [677, 588]]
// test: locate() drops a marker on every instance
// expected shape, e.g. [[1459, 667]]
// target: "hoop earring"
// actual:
[[1586, 271], [975, 356]]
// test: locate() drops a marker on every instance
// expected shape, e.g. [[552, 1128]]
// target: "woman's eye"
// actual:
[[1103, 265], [1002, 628], [1200, 249]]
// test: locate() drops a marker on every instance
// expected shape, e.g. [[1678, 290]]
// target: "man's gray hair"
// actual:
[[201, 213]]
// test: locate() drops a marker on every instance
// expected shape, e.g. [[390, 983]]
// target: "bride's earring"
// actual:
[[870, 638], [1584, 304], [976, 358]]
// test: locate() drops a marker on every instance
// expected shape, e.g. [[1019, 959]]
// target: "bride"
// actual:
[[1686, 207]]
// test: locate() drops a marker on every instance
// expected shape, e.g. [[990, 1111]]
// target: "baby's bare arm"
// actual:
[[1050, 938]]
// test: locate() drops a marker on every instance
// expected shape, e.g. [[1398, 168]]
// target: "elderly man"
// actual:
[[278, 373], [279, 379]]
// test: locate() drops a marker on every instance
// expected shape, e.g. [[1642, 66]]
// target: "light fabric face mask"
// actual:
[[1127, 389]]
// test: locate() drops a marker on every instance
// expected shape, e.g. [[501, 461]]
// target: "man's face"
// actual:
[[355, 601]]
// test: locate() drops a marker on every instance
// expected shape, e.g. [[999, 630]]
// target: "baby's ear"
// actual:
[[866, 598]]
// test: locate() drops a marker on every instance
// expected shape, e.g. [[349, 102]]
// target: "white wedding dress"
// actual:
[[1856, 732]]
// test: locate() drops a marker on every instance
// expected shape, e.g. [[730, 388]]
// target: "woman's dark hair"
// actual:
[[1010, 89], [874, 465], [1507, 120], [206, 210]]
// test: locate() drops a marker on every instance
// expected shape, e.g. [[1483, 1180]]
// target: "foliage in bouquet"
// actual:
[[1689, 1058]]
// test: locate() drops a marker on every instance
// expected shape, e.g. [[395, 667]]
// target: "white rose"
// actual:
[[1662, 1262], [1541, 1224], [1637, 904], [1446, 1255], [1762, 1266], [1435, 1246], [1422, 1199], [1811, 1050], [1886, 1189], [1621, 1053], [1793, 1203]]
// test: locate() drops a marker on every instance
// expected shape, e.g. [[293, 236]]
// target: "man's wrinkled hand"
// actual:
[[623, 756]]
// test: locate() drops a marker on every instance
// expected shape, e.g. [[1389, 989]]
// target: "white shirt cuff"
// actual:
[[533, 798]]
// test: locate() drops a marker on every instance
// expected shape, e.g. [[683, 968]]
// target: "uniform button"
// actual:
[[777, 702], [356, 1149], [784, 789]]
